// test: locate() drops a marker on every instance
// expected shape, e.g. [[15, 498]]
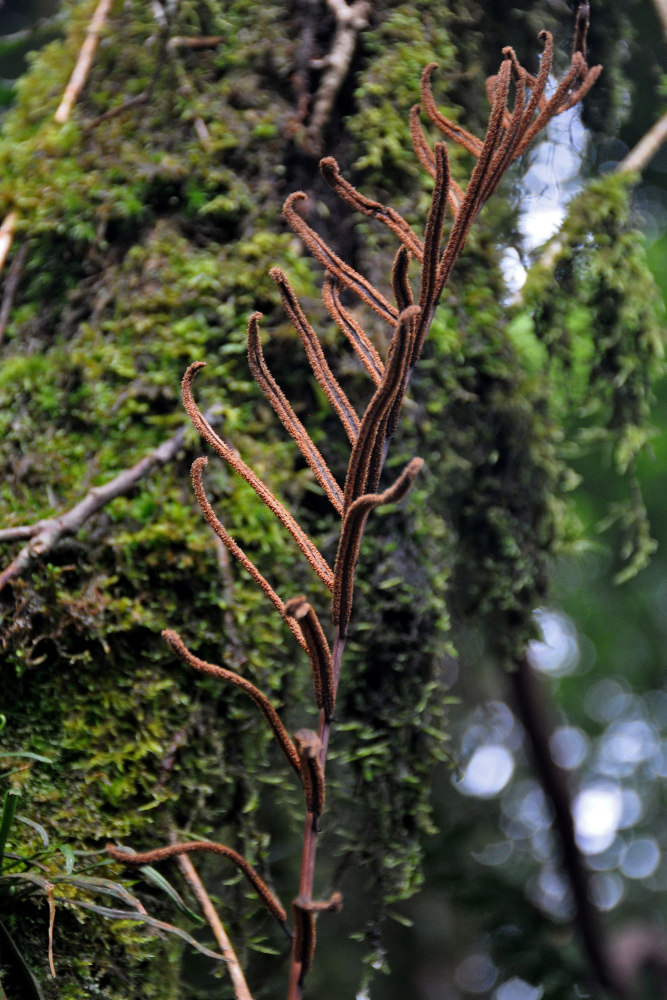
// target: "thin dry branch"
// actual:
[[189, 872], [195, 41], [350, 21], [641, 155], [77, 80], [7, 230], [46, 533]]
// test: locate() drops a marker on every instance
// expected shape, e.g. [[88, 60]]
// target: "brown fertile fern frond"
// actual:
[[288, 417], [312, 554], [299, 610], [262, 702], [508, 133], [219, 529], [202, 846]]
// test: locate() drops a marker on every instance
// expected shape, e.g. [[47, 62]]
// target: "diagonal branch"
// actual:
[[189, 872], [77, 80], [46, 534]]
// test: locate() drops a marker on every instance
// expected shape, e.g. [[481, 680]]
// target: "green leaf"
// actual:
[[68, 854], [8, 811], [162, 883], [37, 827]]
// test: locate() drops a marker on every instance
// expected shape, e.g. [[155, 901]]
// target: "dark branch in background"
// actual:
[[532, 709]]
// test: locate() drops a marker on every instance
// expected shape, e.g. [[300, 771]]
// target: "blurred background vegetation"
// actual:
[[144, 240]]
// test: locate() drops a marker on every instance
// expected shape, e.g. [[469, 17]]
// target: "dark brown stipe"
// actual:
[[329, 260], [350, 540], [400, 281], [288, 417], [404, 298], [318, 651], [163, 853], [384, 398], [216, 525], [446, 126], [315, 354], [304, 912], [363, 348], [429, 290], [374, 209], [312, 554], [262, 702], [309, 748]]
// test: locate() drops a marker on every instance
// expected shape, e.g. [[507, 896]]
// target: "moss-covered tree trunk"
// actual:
[[150, 220]]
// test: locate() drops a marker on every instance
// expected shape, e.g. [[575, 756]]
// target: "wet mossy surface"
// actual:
[[147, 249]]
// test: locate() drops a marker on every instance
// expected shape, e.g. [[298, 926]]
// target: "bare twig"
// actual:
[[350, 21], [241, 991], [133, 102], [661, 11], [195, 41], [7, 235], [77, 80], [641, 155]]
